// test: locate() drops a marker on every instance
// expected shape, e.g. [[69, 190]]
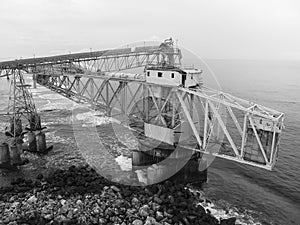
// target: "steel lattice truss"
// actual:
[[244, 132], [251, 132], [21, 105], [99, 61], [221, 118]]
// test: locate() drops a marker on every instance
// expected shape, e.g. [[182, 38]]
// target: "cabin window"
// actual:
[[172, 75], [159, 74], [148, 73]]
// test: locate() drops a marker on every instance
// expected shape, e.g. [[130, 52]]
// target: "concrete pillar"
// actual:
[[32, 141], [15, 153], [136, 158], [4, 155], [34, 77], [193, 171], [41, 142], [19, 144], [140, 158]]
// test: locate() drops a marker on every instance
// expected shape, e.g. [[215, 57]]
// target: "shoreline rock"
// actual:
[[79, 195]]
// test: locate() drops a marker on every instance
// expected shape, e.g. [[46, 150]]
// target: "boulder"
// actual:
[[229, 221], [137, 222], [144, 211], [32, 200]]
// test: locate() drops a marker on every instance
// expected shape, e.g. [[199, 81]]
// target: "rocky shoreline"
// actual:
[[78, 195]]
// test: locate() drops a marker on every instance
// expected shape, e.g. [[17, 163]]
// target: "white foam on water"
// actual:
[[54, 100], [92, 118], [52, 97], [218, 211], [59, 105], [57, 121], [124, 162], [142, 176], [50, 136], [3, 125]]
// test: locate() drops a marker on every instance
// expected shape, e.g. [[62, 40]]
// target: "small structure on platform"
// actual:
[[173, 76], [165, 133]]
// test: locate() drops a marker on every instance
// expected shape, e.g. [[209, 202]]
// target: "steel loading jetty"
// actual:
[[167, 106]]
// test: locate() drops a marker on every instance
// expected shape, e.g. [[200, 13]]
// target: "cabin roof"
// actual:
[[173, 68], [192, 70], [166, 68]]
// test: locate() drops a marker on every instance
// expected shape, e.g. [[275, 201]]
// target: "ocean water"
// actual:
[[275, 195], [254, 195]]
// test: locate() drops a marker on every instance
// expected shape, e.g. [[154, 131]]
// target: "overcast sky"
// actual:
[[247, 29]]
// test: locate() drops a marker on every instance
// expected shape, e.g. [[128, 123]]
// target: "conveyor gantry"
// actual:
[[245, 132]]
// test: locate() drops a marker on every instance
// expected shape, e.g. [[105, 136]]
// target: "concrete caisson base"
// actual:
[[165, 162], [15, 155]]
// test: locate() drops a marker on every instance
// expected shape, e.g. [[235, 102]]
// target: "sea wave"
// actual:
[[52, 96], [124, 162], [224, 210], [58, 105], [92, 118], [54, 138]]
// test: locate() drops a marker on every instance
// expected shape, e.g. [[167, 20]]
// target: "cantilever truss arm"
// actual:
[[251, 132]]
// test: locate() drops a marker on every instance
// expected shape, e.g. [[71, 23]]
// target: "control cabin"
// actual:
[[174, 76]]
